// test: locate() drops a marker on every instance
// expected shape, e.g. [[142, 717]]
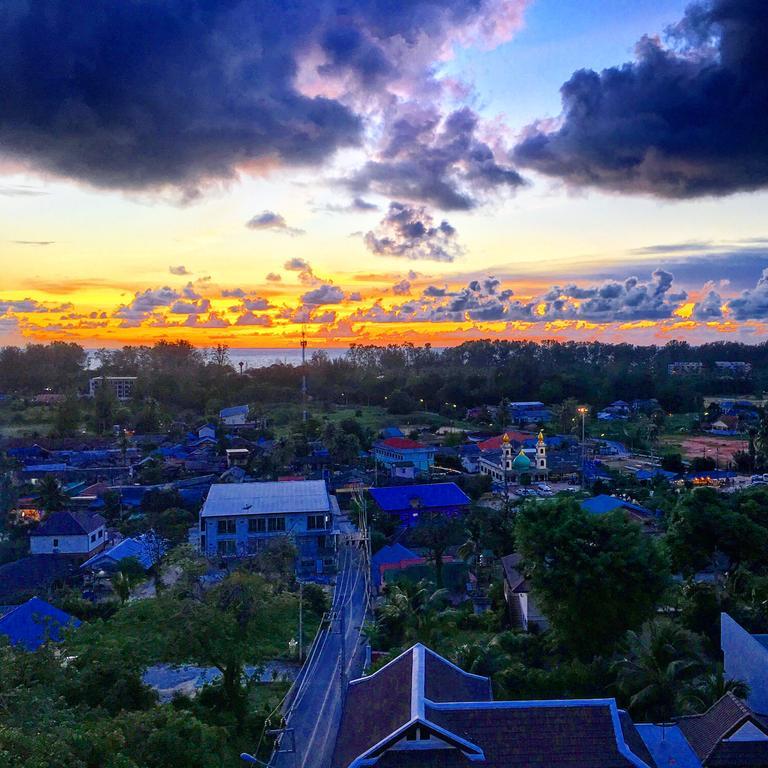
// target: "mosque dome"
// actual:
[[521, 463]]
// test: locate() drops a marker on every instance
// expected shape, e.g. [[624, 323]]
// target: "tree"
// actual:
[[595, 576], [51, 495], [227, 627], [67, 419], [712, 686], [656, 666], [436, 532]]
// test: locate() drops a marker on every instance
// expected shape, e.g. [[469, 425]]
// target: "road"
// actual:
[[314, 709]]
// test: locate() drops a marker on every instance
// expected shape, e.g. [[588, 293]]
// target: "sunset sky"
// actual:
[[375, 171]]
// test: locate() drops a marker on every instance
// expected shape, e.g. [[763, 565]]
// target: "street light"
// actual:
[[582, 410]]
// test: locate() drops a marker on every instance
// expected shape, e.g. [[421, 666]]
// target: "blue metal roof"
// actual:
[[391, 432], [303, 496], [135, 548], [406, 497], [235, 410], [668, 746], [34, 622], [602, 504]]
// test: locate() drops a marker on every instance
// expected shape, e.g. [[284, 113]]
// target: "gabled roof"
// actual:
[[512, 573], [69, 524], [34, 622], [515, 437], [33, 573], [431, 495], [136, 548], [420, 703], [235, 410], [230, 499], [392, 553], [710, 734]]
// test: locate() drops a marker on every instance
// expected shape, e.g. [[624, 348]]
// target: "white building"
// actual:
[[529, 465], [80, 534]]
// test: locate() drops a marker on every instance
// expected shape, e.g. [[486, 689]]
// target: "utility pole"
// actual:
[[303, 376], [582, 409], [301, 621], [342, 672]]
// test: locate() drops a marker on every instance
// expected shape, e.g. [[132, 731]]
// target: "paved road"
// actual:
[[315, 709]]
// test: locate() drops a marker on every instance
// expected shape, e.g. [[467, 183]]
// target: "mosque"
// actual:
[[528, 466]]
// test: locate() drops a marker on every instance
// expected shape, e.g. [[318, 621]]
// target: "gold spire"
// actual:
[[505, 438], [541, 435]]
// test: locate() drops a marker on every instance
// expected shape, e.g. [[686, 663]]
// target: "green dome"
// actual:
[[521, 463]]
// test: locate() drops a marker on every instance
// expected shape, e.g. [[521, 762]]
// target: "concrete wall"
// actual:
[[67, 545]]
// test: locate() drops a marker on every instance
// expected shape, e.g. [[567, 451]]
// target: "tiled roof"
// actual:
[[406, 497], [515, 578], [69, 524], [516, 438], [421, 711], [708, 733], [600, 505], [136, 548]]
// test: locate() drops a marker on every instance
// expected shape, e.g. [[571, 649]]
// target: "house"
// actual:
[[529, 412], [33, 623], [730, 734], [393, 451], [206, 431], [685, 368], [239, 519], [238, 457], [392, 557], [235, 416], [745, 657], [389, 432], [733, 369], [523, 607], [122, 386], [602, 504], [141, 549], [79, 534], [421, 711], [412, 502]]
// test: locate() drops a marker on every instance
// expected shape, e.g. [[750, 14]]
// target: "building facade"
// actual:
[[240, 519], [529, 465], [122, 386], [395, 452], [80, 534]]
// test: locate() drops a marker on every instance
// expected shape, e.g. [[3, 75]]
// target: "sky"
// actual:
[[240, 172]]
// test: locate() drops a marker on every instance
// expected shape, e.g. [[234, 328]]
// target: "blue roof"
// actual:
[[602, 504], [650, 474], [235, 410], [402, 497], [391, 553], [391, 432], [34, 622], [126, 548], [668, 746]]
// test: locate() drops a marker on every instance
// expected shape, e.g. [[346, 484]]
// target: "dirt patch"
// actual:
[[712, 446]]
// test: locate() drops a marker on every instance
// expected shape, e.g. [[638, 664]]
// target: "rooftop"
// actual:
[[69, 524], [34, 622], [401, 443], [230, 499], [431, 495]]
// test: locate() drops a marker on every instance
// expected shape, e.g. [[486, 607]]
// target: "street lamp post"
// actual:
[[582, 410]]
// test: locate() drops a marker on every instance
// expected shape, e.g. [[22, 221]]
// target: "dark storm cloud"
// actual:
[[150, 94], [709, 308], [440, 162], [681, 121], [410, 232]]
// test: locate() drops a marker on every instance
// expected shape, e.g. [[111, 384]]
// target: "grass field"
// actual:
[[28, 421]]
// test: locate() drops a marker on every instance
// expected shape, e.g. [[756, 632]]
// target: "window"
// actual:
[[101, 533], [257, 525], [227, 526], [93, 537], [315, 522], [55, 542], [275, 524], [226, 547]]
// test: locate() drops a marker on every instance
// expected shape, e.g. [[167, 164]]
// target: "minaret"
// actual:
[[506, 452], [541, 452]]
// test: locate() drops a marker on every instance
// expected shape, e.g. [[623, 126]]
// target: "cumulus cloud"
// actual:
[[303, 267], [356, 205], [144, 303], [27, 305], [324, 294], [273, 277], [249, 318], [233, 293], [194, 91], [403, 288], [257, 303], [435, 160], [753, 303], [179, 270], [410, 232], [272, 221], [683, 120], [709, 308], [191, 307]]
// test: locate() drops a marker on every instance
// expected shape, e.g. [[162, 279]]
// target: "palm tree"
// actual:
[[711, 687], [51, 496], [480, 658], [121, 583], [660, 661]]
